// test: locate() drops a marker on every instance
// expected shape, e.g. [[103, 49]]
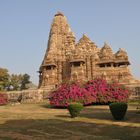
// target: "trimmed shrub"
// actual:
[[118, 110], [3, 99], [74, 109]]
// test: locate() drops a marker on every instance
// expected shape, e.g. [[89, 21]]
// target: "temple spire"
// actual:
[[59, 13], [60, 34]]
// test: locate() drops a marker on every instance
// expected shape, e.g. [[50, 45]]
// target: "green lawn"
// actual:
[[39, 122]]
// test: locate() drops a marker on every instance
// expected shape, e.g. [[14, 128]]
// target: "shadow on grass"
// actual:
[[51, 107], [97, 113], [133, 116], [46, 106], [105, 114], [56, 129]]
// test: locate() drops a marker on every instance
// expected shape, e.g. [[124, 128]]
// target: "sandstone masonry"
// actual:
[[67, 60]]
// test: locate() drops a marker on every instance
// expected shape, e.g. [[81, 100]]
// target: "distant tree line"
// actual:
[[14, 81]]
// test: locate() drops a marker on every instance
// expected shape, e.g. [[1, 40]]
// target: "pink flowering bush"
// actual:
[[68, 93], [97, 88], [93, 91], [117, 93], [3, 99], [105, 92]]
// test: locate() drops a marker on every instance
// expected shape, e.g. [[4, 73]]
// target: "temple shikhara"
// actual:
[[68, 60]]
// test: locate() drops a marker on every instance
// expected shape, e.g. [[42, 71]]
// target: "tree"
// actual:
[[4, 78], [25, 81], [15, 81], [19, 82]]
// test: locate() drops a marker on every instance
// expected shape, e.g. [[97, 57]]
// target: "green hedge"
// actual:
[[118, 110], [74, 109]]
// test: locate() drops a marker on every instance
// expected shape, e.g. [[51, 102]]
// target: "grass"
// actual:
[[40, 122]]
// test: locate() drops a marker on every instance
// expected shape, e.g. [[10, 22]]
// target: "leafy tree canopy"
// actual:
[[25, 81], [13, 81], [4, 78]]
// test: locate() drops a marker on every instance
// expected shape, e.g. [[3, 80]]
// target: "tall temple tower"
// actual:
[[67, 60]]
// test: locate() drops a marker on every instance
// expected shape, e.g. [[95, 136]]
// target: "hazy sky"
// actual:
[[25, 25]]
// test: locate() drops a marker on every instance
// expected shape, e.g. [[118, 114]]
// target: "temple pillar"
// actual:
[[112, 65], [59, 72], [88, 68]]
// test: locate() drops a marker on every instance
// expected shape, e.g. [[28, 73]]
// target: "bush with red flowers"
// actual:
[[107, 92], [93, 91], [3, 99], [67, 93]]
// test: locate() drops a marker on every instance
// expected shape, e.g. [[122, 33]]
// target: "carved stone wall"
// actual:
[[67, 60]]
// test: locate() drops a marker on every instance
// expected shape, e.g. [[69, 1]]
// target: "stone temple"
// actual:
[[68, 60]]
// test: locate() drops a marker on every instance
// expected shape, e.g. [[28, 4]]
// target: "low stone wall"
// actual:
[[27, 96], [38, 95], [134, 91]]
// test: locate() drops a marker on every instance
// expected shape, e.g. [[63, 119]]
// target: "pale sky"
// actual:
[[25, 25]]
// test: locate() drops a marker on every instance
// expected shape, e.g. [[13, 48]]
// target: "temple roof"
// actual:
[[121, 53], [106, 47], [106, 52], [85, 39]]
